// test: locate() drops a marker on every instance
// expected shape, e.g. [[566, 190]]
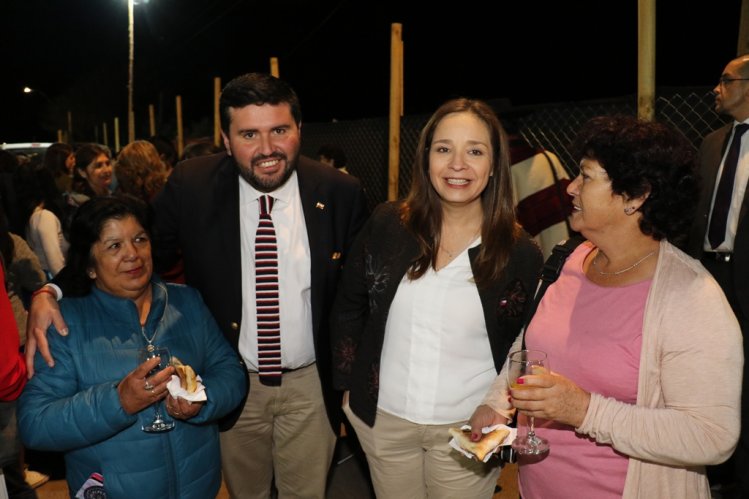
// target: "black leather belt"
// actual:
[[717, 256], [285, 370]]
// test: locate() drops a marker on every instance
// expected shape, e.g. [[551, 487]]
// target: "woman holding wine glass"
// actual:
[[431, 298], [645, 352], [105, 406]]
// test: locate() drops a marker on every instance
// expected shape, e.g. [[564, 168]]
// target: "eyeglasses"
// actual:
[[724, 80]]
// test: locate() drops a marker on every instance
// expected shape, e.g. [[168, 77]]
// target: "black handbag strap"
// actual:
[[550, 273]]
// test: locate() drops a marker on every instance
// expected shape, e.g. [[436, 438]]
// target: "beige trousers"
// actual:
[[283, 431], [413, 461]]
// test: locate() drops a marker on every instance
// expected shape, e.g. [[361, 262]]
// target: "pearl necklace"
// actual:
[[638, 262]]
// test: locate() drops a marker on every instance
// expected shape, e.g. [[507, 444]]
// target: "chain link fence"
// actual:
[[549, 126]]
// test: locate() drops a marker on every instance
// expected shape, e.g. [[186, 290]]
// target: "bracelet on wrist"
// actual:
[[44, 289]]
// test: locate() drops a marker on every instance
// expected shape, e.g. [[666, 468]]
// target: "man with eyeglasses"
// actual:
[[720, 236]]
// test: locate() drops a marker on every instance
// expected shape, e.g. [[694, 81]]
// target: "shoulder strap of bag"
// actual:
[[550, 273]]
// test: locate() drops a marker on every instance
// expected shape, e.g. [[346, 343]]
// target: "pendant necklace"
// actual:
[[149, 342], [618, 272], [451, 255]]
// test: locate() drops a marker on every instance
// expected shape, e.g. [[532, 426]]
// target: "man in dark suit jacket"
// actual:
[[208, 214], [729, 260], [205, 214]]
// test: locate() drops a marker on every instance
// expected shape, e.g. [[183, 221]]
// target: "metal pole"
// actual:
[[131, 60], [646, 60]]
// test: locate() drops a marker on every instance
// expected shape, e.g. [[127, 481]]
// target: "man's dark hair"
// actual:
[[257, 89]]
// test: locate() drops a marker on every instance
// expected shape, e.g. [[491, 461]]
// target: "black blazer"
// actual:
[[197, 216], [711, 152]]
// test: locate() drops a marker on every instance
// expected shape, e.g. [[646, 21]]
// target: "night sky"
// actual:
[[336, 55]]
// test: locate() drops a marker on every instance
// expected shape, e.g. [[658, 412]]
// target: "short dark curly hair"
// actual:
[[651, 158]]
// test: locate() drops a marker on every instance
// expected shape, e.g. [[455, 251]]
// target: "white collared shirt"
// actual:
[[436, 364], [737, 198], [294, 274]]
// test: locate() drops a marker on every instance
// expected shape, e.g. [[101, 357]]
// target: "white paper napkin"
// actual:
[[507, 441], [176, 390]]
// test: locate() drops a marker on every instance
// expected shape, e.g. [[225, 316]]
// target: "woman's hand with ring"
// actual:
[[137, 390], [180, 408]]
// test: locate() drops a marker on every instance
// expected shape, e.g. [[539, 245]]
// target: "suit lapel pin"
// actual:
[[320, 206], [336, 255]]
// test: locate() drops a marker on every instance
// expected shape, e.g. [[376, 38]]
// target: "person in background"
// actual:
[[95, 401], [12, 382], [60, 160], [199, 148], [209, 213], [167, 151], [41, 206], [539, 184], [333, 155], [140, 171], [720, 236], [645, 352], [8, 192], [430, 301], [93, 174], [24, 275]]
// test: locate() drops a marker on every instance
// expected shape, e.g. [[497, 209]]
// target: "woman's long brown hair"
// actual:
[[421, 212]]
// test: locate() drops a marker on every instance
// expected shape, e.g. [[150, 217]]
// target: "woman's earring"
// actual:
[[629, 210], [91, 274]]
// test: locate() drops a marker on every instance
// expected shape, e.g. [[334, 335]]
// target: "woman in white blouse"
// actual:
[[42, 205], [432, 296]]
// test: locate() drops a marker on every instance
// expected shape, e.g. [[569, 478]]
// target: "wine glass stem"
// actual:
[[157, 413], [531, 426]]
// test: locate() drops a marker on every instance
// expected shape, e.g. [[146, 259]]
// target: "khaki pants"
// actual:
[[413, 461], [282, 431]]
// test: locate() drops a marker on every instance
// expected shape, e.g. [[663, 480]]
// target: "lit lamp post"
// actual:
[[131, 60]]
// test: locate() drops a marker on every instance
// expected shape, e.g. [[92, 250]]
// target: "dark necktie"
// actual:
[[266, 297], [717, 232]]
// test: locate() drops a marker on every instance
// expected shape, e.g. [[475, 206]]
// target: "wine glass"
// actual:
[[159, 423], [523, 362]]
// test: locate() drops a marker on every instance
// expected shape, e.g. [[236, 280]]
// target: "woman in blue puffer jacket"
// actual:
[[93, 403]]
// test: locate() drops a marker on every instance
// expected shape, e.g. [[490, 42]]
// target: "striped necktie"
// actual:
[[266, 297]]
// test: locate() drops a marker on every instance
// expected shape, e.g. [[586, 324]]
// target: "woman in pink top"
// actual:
[[644, 349]]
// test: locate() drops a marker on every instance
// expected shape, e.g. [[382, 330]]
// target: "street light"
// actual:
[[131, 69], [130, 113]]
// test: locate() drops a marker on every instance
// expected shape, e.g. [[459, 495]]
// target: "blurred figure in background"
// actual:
[[720, 236], [60, 160], [167, 151], [140, 170], [24, 273], [12, 381], [93, 174], [333, 155], [8, 197], [41, 209], [199, 148], [539, 184]]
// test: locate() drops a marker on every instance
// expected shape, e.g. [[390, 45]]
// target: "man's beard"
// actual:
[[266, 184]]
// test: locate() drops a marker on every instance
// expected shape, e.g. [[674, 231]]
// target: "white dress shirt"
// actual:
[[739, 189], [436, 363], [294, 274]]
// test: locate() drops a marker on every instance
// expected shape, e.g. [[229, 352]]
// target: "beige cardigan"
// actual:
[[689, 388]]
